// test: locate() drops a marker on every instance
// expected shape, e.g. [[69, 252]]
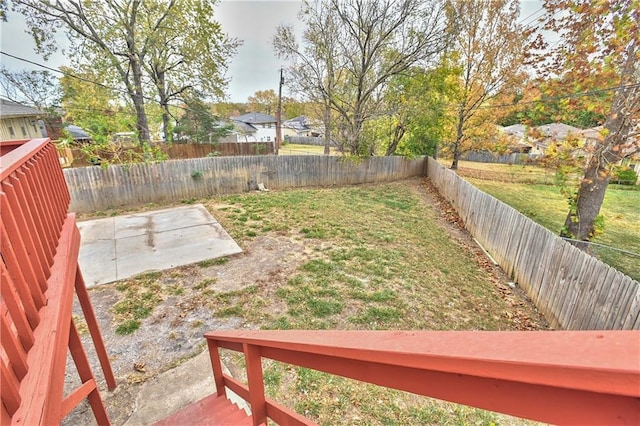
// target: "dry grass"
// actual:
[[377, 259], [366, 257]]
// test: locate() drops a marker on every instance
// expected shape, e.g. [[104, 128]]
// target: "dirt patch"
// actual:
[[173, 332]]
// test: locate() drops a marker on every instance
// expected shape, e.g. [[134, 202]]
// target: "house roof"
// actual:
[[10, 109], [255, 118], [77, 132], [557, 130], [298, 123], [243, 127], [517, 130]]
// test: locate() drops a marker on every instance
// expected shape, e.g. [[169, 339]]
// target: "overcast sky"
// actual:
[[255, 67]]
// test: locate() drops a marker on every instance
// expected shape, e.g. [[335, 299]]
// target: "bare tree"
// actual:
[[38, 88], [352, 49], [316, 64]]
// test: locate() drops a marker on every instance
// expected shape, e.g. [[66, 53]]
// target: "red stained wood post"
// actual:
[[216, 365], [256, 384]]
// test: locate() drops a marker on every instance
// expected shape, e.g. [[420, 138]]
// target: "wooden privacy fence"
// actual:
[[571, 288], [95, 188], [179, 151]]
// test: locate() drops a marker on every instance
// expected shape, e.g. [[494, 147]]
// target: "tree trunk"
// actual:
[[137, 96], [327, 128], [164, 105], [458, 143], [580, 221], [397, 137]]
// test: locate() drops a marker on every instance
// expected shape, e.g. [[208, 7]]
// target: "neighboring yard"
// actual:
[[366, 257], [298, 149], [520, 187]]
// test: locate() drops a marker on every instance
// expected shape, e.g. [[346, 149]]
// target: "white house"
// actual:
[[255, 127], [18, 121]]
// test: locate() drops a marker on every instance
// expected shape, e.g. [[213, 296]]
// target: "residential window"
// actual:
[[24, 131], [11, 131], [268, 138]]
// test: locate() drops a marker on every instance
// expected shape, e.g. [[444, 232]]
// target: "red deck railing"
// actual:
[[560, 377], [39, 245]]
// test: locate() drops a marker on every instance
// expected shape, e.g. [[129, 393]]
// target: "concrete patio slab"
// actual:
[[120, 247]]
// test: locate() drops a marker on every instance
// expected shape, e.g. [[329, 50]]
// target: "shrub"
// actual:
[[624, 176]]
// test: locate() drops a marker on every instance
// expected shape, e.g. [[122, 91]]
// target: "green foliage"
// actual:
[[624, 175], [93, 107], [128, 327], [199, 124], [264, 101], [139, 49], [420, 100], [141, 295], [552, 108]]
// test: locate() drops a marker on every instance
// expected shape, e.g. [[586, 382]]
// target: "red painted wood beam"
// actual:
[[589, 377], [15, 158]]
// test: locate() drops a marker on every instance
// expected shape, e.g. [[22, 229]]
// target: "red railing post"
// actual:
[[216, 365], [256, 384], [94, 329], [39, 245], [558, 377]]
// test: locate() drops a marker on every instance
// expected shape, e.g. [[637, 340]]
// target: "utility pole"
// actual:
[[279, 115]]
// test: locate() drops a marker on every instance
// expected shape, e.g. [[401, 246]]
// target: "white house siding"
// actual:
[[19, 128], [265, 133]]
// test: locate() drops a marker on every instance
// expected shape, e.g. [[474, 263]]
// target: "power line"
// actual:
[[536, 101], [567, 96], [86, 80]]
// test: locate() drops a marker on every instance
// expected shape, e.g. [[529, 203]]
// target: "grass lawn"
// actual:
[[545, 205], [365, 257], [377, 260], [297, 149]]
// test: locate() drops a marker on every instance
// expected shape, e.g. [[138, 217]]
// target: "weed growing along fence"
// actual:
[[571, 288], [96, 188]]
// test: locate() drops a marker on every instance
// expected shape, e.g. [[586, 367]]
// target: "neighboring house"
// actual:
[[78, 134], [255, 127], [300, 126], [518, 134], [19, 121], [242, 132], [543, 136]]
